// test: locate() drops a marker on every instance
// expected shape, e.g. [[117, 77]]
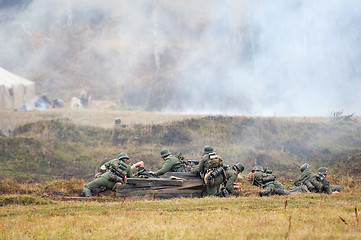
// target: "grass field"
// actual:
[[297, 216], [306, 216], [43, 205]]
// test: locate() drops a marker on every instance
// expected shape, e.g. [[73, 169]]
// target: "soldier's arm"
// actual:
[[108, 164], [198, 168], [167, 166]]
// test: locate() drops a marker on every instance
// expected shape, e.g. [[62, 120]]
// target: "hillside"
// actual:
[[60, 148]]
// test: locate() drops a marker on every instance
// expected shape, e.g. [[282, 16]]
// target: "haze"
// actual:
[[250, 57]]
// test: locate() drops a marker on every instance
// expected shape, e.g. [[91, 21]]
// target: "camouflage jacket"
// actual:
[[307, 175], [231, 176], [204, 165], [171, 163], [325, 185], [109, 164]]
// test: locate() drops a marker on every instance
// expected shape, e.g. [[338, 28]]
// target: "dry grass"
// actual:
[[86, 117], [299, 216], [307, 216]]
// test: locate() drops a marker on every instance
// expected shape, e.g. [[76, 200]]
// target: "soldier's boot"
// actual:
[[338, 188], [87, 193], [279, 192], [265, 193]]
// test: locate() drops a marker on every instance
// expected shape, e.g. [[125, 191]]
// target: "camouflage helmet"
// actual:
[[239, 166], [207, 150], [122, 156], [323, 170], [257, 168], [305, 166], [164, 152]]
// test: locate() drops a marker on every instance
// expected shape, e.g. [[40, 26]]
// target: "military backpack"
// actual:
[[214, 161]]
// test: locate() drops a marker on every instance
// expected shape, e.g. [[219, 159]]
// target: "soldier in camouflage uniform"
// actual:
[[231, 176], [325, 184], [115, 170], [308, 179], [211, 170], [171, 163], [267, 181], [326, 187]]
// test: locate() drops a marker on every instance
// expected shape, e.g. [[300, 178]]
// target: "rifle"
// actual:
[[186, 162], [297, 165]]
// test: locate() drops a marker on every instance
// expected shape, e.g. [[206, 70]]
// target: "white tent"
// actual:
[[15, 92]]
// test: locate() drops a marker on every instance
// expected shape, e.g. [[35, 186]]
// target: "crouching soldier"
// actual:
[[211, 170], [116, 170], [231, 176], [171, 163]]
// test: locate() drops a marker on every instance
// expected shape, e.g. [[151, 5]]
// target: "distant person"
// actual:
[[58, 103], [84, 100], [115, 170], [171, 163]]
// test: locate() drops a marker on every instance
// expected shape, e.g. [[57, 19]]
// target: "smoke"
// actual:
[[252, 57]]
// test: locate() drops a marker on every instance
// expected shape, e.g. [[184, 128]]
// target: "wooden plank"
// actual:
[[185, 175], [192, 183], [154, 182], [162, 188], [154, 194]]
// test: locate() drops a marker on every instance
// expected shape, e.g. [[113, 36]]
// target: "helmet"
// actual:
[[239, 166], [257, 168], [164, 152], [207, 150], [323, 170], [305, 166], [122, 155]]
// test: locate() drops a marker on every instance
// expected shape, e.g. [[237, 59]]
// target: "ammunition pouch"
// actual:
[[119, 169], [115, 178]]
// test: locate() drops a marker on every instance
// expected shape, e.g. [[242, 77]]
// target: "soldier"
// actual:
[[231, 176], [268, 181], [308, 179], [326, 187], [115, 170], [211, 170], [171, 164], [322, 178]]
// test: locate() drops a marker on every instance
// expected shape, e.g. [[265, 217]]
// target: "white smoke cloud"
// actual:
[[253, 57]]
